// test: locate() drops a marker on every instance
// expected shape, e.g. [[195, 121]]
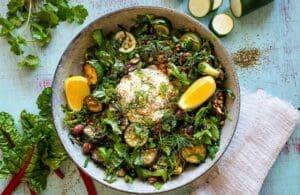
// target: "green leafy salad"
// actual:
[[153, 104]]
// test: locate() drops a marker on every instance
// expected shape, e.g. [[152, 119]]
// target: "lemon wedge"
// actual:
[[197, 93], [76, 89]]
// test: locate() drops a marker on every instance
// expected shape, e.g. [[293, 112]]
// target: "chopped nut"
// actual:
[[121, 173], [89, 131], [219, 111], [163, 68], [155, 167], [218, 104]]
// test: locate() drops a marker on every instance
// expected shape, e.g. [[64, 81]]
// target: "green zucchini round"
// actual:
[[217, 4], [200, 8], [221, 24]]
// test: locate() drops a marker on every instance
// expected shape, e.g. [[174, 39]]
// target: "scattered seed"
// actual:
[[246, 57]]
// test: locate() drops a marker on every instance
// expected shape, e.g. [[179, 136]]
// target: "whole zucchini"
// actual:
[[242, 7]]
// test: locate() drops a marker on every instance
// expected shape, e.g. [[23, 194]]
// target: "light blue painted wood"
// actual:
[[274, 29]]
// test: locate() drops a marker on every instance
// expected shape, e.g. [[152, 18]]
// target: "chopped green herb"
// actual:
[[163, 89], [40, 17]]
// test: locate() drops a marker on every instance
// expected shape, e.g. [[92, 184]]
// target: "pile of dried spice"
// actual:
[[246, 57]]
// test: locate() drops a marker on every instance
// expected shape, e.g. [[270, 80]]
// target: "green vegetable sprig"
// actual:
[[40, 17]]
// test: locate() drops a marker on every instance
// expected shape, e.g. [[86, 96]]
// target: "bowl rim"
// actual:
[[234, 75]]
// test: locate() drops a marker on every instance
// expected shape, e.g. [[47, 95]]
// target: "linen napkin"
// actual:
[[265, 125]]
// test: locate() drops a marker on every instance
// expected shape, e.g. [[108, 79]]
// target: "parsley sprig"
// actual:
[[40, 17]]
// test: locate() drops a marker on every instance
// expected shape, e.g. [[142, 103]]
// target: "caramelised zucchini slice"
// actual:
[[149, 156], [93, 104], [194, 154], [179, 165], [128, 42], [135, 135], [193, 37], [93, 71], [162, 25]]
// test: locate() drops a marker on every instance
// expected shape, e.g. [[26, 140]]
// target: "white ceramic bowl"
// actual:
[[70, 64]]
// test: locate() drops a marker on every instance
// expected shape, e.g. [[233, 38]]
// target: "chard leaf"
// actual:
[[9, 135], [4, 171], [36, 174], [54, 154], [44, 103]]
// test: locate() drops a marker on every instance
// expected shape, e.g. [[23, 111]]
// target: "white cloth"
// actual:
[[265, 125]]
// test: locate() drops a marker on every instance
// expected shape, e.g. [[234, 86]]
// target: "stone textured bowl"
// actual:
[[71, 62]]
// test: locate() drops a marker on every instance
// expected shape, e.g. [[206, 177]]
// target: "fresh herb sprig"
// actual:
[[40, 17]]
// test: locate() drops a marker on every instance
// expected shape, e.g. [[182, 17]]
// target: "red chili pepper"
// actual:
[[59, 173], [16, 180], [88, 182]]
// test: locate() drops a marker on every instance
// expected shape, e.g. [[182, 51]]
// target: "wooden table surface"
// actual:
[[274, 29]]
